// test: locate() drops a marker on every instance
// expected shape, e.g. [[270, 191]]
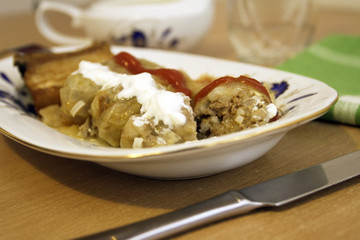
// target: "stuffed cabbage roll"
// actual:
[[231, 104]]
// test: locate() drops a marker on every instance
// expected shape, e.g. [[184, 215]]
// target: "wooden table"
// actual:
[[48, 197]]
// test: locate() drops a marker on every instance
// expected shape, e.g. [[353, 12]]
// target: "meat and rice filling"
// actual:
[[232, 104]]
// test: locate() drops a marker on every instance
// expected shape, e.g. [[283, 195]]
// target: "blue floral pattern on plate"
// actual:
[[138, 38], [21, 100]]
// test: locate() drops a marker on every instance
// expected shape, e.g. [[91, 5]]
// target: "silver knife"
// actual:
[[272, 193]]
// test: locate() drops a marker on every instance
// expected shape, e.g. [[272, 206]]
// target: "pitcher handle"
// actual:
[[52, 34]]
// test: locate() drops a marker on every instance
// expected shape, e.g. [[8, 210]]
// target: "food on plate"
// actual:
[[122, 109], [174, 79], [122, 101], [230, 104], [44, 73]]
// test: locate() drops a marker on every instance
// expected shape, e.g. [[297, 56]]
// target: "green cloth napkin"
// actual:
[[335, 60]]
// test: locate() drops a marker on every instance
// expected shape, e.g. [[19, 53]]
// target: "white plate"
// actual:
[[304, 100]]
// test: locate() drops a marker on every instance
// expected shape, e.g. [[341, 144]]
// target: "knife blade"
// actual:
[[273, 193]]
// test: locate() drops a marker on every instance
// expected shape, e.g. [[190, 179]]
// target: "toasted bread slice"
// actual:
[[45, 73]]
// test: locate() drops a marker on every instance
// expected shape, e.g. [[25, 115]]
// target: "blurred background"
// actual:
[[332, 17], [21, 6]]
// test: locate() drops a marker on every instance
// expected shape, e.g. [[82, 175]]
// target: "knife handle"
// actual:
[[223, 206]]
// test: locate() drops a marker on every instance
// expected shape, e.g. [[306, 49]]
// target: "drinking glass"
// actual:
[[267, 32]]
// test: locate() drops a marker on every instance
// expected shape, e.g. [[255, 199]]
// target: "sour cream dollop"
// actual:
[[157, 104]]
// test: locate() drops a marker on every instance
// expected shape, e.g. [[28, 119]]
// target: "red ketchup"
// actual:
[[173, 77], [227, 79], [224, 80]]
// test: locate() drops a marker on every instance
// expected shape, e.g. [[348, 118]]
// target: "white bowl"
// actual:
[[167, 24], [302, 99]]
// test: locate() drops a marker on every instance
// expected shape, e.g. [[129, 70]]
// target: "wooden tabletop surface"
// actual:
[[48, 197]]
